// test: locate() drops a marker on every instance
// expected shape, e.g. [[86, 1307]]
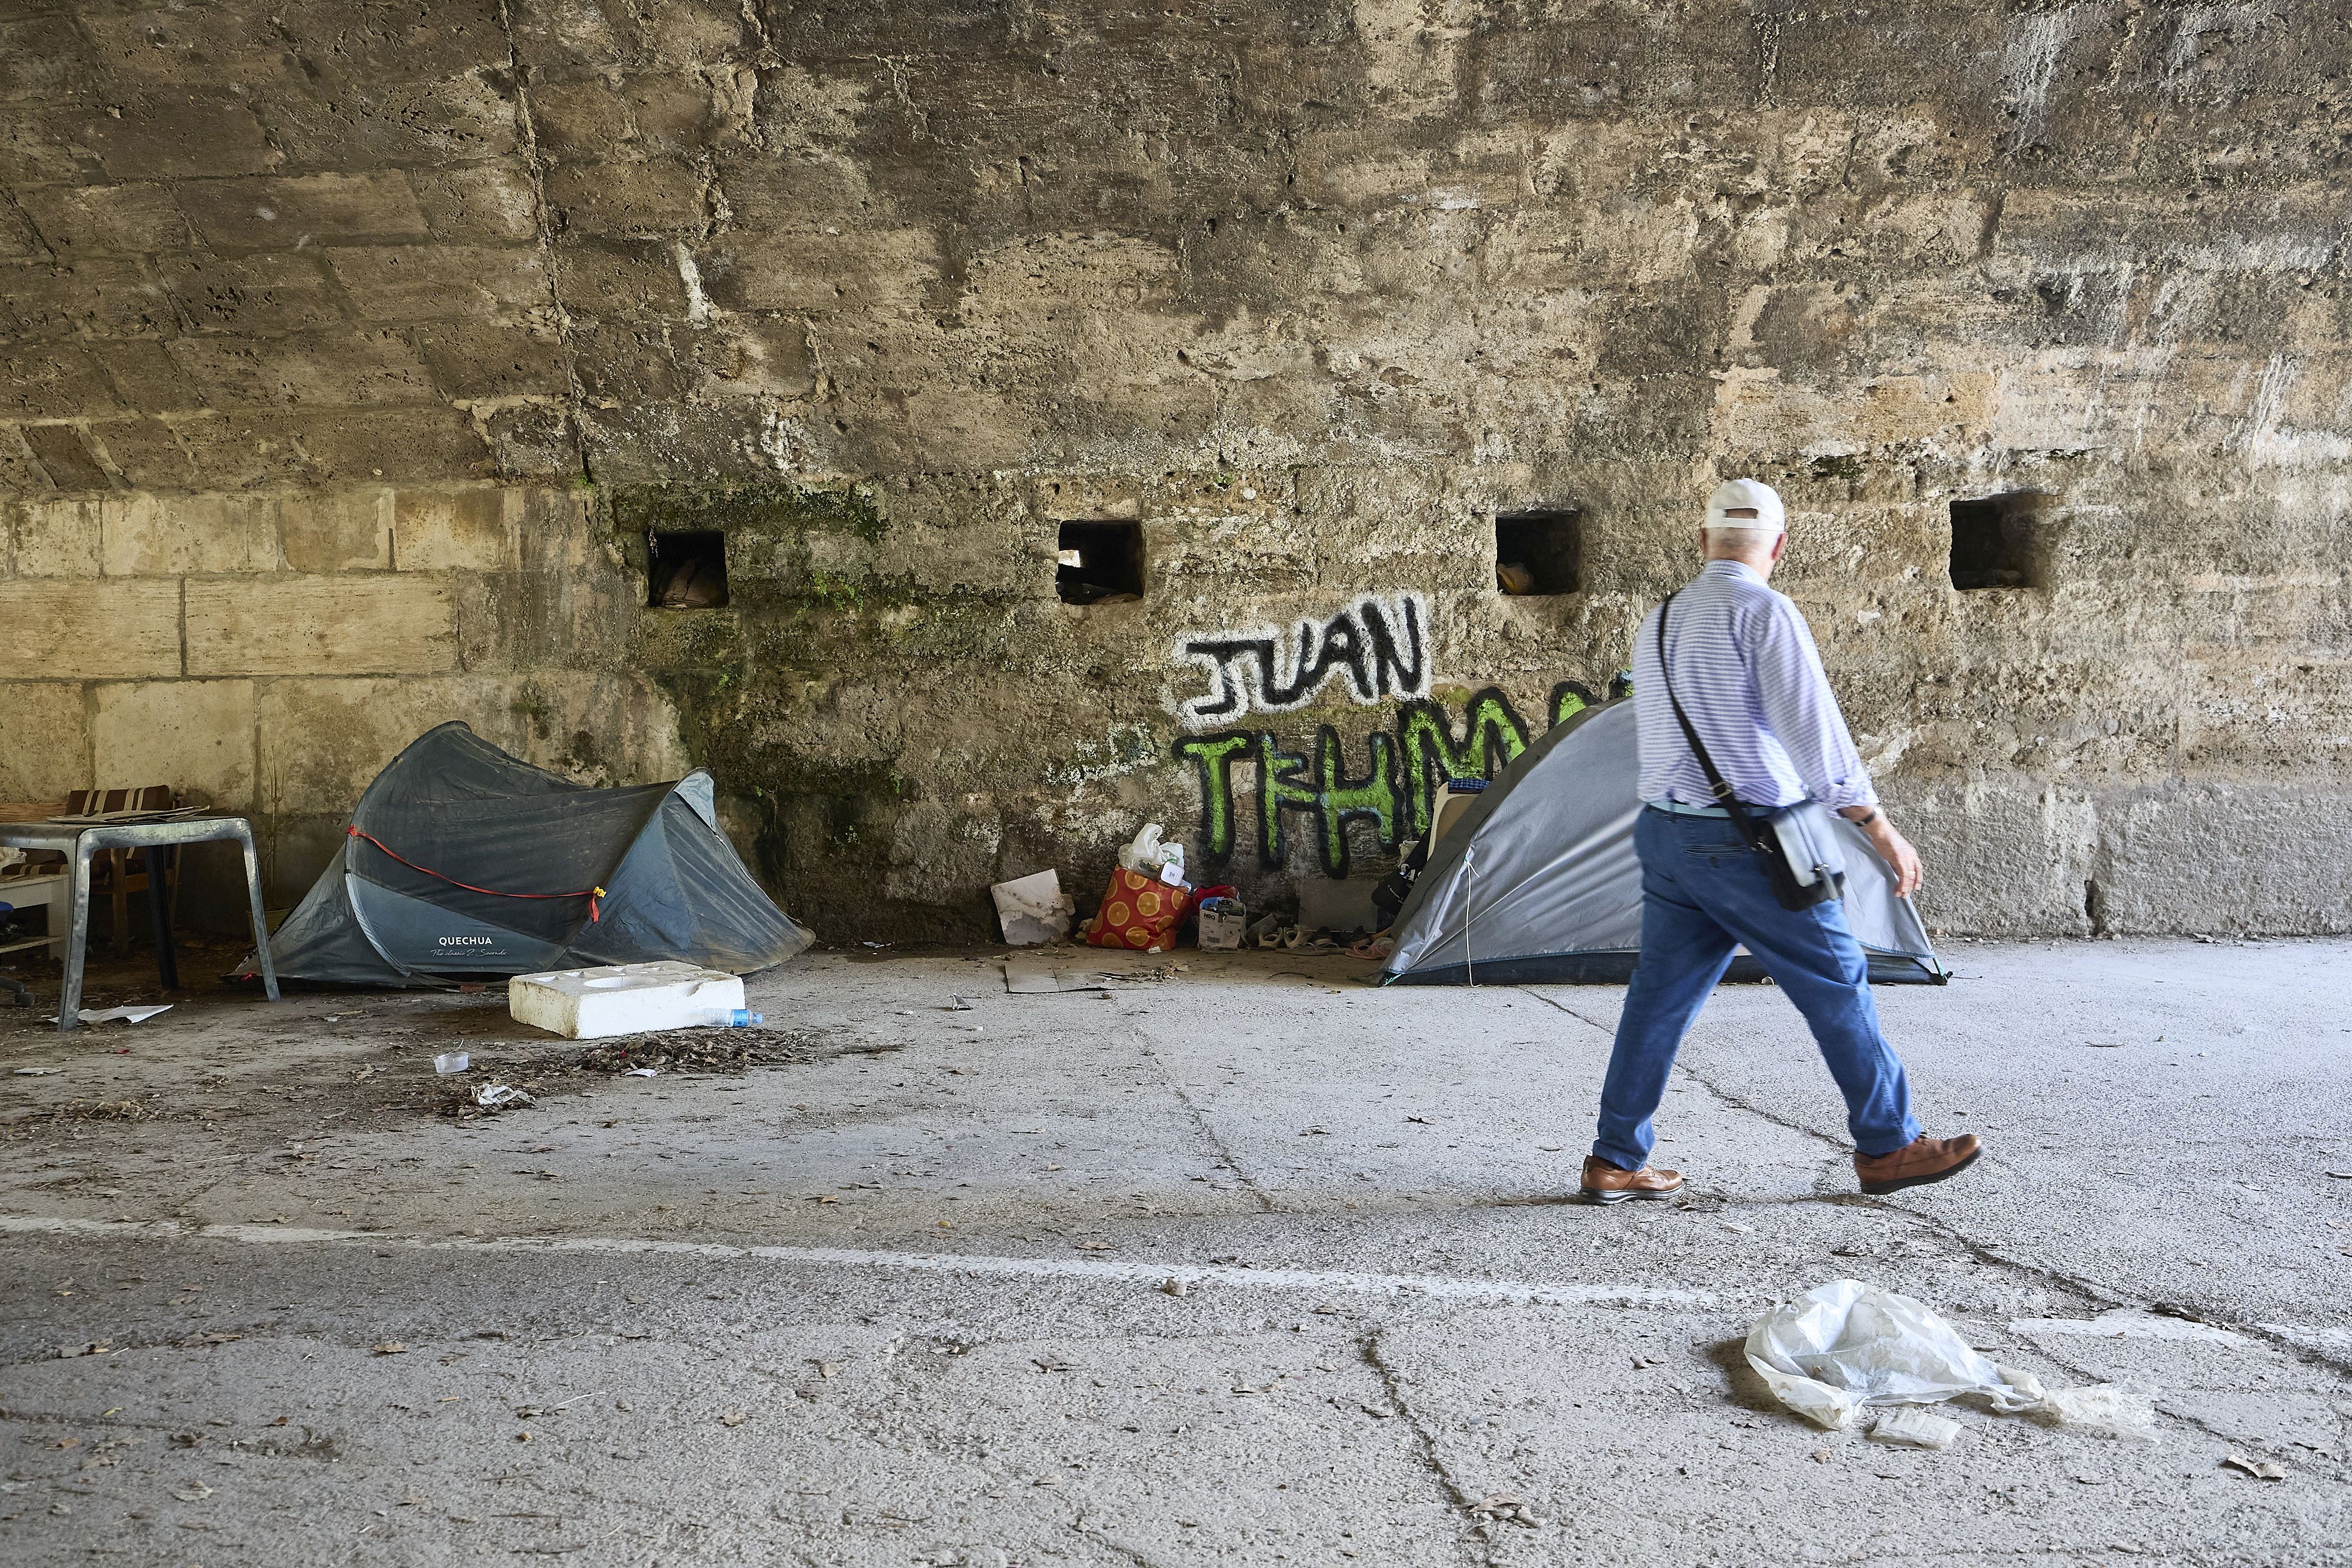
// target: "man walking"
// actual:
[[1741, 660]]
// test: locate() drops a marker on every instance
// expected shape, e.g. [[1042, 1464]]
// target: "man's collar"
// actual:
[[1741, 567]]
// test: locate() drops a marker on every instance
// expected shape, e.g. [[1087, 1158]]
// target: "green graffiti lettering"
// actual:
[[1340, 799], [1567, 700], [1492, 738], [1214, 756], [1278, 790], [1397, 793]]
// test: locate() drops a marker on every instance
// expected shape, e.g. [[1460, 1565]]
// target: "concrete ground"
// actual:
[[898, 1291]]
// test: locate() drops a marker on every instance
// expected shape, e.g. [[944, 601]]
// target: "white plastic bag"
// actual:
[[1845, 1345], [1146, 856]]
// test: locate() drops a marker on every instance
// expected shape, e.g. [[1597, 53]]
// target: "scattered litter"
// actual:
[[450, 1062], [2105, 1044], [499, 1096], [195, 1491], [707, 1050], [2261, 1469], [1913, 1429], [1503, 1505], [640, 1072], [127, 1015], [1176, 1288], [730, 1418], [391, 1347], [53, 1071], [957, 1005], [1845, 1345], [2339, 1176], [1036, 974], [1032, 909], [2108, 1409]]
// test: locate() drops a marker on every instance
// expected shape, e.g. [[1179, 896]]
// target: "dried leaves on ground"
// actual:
[[688, 1050]]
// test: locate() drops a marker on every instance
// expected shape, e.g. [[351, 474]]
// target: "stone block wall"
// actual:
[[349, 352], [268, 652]]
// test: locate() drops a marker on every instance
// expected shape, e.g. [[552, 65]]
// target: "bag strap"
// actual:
[[1720, 786]]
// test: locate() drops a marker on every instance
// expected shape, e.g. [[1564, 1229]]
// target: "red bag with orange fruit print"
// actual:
[[1139, 912], [1146, 913]]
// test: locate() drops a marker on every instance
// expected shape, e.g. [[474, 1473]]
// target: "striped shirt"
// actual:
[[1751, 679]]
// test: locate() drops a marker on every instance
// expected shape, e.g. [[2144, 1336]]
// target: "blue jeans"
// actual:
[[1702, 895]]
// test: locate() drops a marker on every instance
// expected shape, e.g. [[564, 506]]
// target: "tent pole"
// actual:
[[1469, 911]]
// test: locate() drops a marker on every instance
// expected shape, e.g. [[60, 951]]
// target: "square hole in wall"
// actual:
[[1100, 564], [686, 571], [1539, 552], [1993, 542]]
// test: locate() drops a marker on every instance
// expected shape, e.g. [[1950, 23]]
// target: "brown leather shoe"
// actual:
[[1917, 1163], [1605, 1183]]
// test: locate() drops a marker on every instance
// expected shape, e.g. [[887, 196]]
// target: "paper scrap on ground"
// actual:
[[1913, 1429], [37, 1071], [1845, 1345], [127, 1015]]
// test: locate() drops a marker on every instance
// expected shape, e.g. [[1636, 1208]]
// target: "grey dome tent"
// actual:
[[1537, 881], [461, 860]]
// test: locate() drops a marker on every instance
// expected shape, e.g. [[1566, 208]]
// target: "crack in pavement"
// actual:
[[1424, 1444], [1201, 1123]]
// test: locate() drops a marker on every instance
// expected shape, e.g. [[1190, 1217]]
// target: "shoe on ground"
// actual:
[[1605, 1183], [1917, 1163]]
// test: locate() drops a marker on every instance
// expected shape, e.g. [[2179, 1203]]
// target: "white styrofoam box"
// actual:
[[624, 999]]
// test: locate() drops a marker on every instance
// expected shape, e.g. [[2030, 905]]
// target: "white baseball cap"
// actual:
[[1745, 504]]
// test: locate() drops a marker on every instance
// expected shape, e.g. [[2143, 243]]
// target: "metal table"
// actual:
[[80, 842]]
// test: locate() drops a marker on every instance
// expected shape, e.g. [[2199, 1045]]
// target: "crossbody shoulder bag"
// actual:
[[1790, 842]]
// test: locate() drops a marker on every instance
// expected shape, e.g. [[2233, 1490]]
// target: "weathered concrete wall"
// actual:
[[350, 348]]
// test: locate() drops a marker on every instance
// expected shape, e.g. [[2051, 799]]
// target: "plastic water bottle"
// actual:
[[736, 1018]]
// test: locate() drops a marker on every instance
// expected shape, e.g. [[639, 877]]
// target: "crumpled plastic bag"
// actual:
[[1844, 1346], [1146, 856]]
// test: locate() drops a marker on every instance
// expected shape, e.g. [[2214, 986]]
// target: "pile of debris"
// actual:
[[701, 1050], [688, 1050]]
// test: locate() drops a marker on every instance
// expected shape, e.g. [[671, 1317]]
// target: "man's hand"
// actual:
[[1892, 847]]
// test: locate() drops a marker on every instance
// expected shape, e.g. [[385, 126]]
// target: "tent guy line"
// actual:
[[1433, 1287]]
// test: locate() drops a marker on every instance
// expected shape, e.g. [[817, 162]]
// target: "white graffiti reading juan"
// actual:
[[1378, 647]]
